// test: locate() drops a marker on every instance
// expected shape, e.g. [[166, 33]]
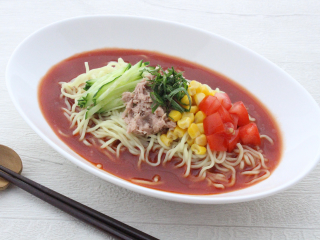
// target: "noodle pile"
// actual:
[[108, 131]]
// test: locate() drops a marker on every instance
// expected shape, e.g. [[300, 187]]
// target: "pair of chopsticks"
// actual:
[[76, 209]]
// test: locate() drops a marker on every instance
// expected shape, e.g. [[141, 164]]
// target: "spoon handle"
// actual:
[[74, 208]]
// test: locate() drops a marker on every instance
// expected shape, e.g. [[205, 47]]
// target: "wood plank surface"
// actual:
[[286, 32]]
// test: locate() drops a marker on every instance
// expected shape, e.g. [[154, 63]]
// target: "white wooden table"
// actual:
[[286, 32]]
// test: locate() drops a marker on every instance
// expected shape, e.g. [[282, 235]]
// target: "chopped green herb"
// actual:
[[169, 87]]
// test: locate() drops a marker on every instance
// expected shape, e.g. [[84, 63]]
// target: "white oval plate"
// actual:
[[295, 110]]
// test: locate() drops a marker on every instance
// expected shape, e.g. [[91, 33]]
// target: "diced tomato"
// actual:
[[224, 100], [205, 103], [209, 105], [225, 115], [217, 142], [233, 140], [249, 134], [235, 120], [223, 142], [228, 128], [240, 110], [213, 124]]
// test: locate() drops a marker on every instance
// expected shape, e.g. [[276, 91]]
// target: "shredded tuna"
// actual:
[[138, 113]]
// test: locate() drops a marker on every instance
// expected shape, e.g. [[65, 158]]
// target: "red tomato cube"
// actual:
[[224, 100], [209, 105], [235, 120], [217, 142], [228, 128], [225, 115], [213, 124], [249, 134], [240, 110], [233, 140]]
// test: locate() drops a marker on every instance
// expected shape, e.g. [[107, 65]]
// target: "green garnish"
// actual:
[[169, 87], [89, 83], [105, 93]]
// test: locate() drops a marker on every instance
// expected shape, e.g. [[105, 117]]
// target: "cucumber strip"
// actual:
[[104, 94], [108, 77], [87, 98], [130, 75], [111, 101], [89, 83], [116, 103]]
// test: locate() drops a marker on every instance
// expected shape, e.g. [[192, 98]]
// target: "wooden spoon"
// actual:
[[9, 159]]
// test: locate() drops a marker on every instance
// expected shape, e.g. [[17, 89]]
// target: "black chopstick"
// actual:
[[74, 208]]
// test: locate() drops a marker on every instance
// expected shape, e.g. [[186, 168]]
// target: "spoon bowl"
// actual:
[[9, 159]]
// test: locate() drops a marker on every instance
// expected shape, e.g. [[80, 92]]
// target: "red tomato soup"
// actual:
[[126, 166]]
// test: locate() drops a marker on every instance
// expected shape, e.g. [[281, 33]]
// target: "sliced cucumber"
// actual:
[[87, 98], [105, 93]]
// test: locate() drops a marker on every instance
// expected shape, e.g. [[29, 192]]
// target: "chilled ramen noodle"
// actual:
[[108, 131]]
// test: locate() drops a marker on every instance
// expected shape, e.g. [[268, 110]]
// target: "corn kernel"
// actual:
[[198, 149], [193, 131], [185, 122], [199, 89], [194, 109], [179, 132], [185, 100], [195, 84], [201, 128], [190, 141], [192, 90], [212, 92], [165, 140], [175, 115], [171, 135], [199, 117], [188, 115], [201, 140], [203, 89], [199, 97]]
